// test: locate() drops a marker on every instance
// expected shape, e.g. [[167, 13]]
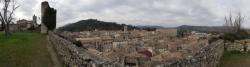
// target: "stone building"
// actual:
[[25, 25], [171, 32], [48, 15]]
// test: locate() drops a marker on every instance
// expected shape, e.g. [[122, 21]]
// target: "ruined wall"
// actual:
[[48, 16], [208, 56], [67, 51], [238, 45]]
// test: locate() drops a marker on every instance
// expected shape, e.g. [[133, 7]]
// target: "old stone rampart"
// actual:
[[74, 56], [208, 56]]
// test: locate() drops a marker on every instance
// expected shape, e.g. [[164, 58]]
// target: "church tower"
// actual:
[[35, 19]]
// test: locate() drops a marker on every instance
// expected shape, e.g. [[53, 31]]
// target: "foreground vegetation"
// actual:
[[24, 50], [236, 36], [235, 59]]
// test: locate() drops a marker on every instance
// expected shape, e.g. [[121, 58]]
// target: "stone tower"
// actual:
[[125, 29], [48, 17], [43, 7], [35, 21]]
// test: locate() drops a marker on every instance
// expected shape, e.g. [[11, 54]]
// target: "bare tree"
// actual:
[[7, 9], [2, 25], [234, 24]]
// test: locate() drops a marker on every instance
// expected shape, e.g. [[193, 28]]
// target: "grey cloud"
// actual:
[[142, 12]]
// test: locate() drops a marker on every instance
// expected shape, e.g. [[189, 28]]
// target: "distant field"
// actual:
[[24, 50], [235, 59]]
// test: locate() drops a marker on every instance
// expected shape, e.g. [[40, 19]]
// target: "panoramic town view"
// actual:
[[124, 33]]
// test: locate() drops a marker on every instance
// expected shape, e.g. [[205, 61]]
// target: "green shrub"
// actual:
[[235, 36]]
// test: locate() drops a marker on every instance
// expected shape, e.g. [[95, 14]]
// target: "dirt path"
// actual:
[[53, 54]]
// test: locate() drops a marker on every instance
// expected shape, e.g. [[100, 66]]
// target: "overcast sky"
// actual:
[[167, 13]]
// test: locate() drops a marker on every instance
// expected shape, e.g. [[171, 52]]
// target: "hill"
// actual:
[[93, 24], [204, 29], [149, 26]]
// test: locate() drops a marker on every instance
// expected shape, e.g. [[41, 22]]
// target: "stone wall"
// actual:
[[208, 56], [238, 45], [66, 50], [74, 56]]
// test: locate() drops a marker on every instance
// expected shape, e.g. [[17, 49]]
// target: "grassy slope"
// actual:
[[24, 50], [235, 59]]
